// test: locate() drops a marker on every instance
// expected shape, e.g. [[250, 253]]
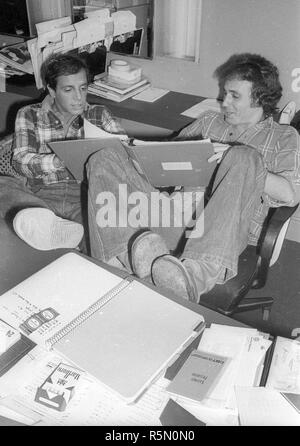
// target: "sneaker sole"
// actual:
[[176, 270], [141, 257], [45, 217]]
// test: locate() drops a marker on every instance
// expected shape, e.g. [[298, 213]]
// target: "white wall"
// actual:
[[268, 27]]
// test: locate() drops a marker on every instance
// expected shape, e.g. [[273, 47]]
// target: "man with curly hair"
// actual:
[[258, 169]]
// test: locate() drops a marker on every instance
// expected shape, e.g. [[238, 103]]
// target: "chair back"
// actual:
[[253, 267], [287, 113], [279, 242], [6, 146]]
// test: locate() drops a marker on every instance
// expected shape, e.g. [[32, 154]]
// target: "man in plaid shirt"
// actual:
[[48, 186], [260, 168]]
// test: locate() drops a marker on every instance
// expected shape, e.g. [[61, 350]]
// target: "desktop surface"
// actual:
[[19, 261], [164, 113]]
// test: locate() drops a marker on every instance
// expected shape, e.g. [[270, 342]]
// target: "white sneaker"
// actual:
[[43, 230]]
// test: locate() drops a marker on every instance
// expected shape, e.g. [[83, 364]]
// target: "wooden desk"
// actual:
[[18, 261], [164, 113]]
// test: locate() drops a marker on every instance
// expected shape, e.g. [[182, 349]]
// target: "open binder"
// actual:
[[173, 163], [163, 164], [120, 330]]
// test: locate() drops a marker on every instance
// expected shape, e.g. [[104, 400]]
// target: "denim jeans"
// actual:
[[64, 199], [106, 171], [236, 193]]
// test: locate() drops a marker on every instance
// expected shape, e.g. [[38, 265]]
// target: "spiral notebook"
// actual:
[[119, 330]]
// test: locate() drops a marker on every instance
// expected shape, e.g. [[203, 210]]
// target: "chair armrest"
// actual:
[[275, 221]]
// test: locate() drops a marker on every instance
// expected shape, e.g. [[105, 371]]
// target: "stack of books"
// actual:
[[117, 91]]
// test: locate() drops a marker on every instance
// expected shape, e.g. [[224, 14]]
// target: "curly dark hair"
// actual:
[[266, 87], [62, 65]]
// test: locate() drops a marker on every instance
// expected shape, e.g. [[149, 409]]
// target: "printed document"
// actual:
[[284, 374], [207, 104], [259, 406], [91, 403], [92, 131]]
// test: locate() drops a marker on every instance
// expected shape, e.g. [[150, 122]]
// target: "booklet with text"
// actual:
[[198, 375]]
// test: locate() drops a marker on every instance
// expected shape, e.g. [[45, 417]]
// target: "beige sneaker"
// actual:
[[186, 278], [43, 230], [169, 273], [146, 248]]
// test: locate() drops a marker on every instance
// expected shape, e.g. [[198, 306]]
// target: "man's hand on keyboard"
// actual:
[[219, 149]]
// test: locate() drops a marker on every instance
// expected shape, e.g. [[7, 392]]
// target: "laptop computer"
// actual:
[[163, 164]]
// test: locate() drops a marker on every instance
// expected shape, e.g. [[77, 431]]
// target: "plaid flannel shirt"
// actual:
[[38, 124], [279, 146]]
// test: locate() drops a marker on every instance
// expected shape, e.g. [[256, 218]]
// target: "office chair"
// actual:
[[6, 167], [253, 267], [287, 113], [255, 261]]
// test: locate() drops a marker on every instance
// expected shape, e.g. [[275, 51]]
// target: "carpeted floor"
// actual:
[[283, 284]]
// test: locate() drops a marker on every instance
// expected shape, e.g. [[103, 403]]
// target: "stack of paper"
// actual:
[[152, 94], [246, 348], [284, 373], [259, 406], [207, 104], [61, 35]]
